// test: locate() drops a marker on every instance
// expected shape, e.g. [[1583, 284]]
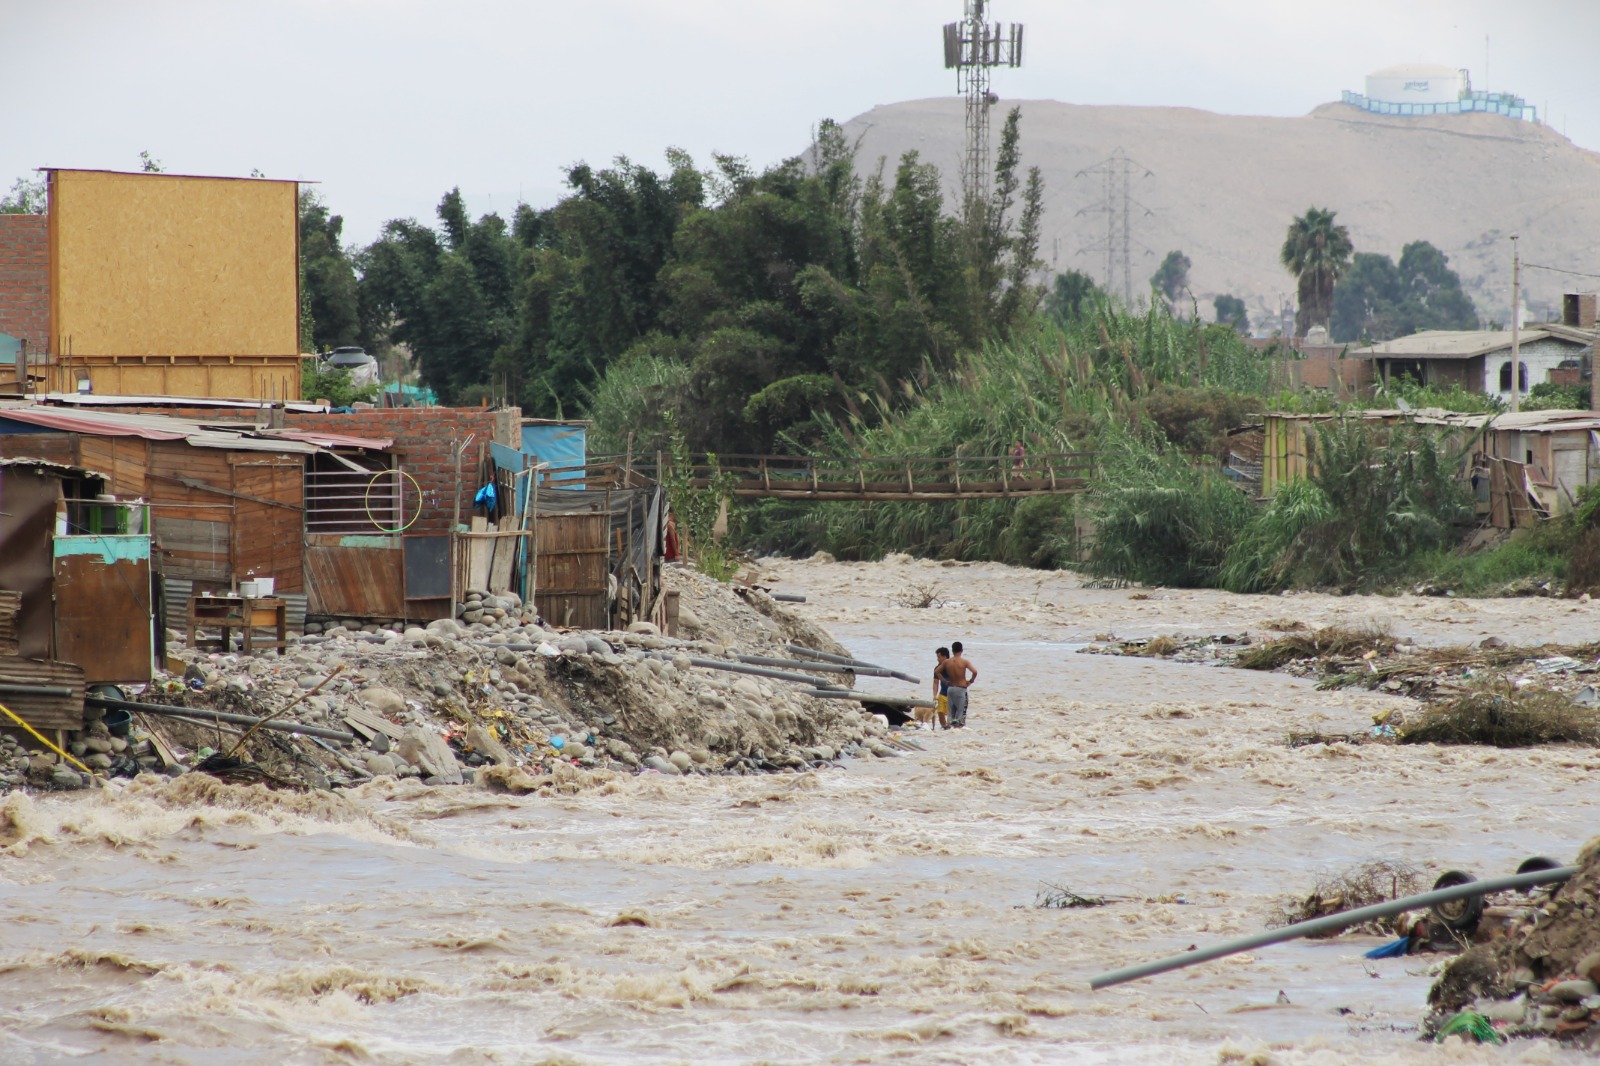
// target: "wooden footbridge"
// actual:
[[869, 478]]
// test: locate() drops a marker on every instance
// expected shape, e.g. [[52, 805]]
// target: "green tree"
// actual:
[[590, 275], [328, 276], [1316, 251], [448, 298], [1365, 300], [1377, 300], [1230, 311], [1074, 296], [1171, 277], [1432, 294], [150, 164], [27, 197], [331, 383]]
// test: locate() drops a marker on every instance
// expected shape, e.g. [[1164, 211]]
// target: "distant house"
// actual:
[[1476, 360]]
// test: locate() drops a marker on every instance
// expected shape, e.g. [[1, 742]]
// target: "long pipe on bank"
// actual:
[[202, 714], [741, 668], [1332, 923], [845, 660], [866, 697]]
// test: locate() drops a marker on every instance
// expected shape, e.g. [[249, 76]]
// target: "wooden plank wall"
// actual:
[[570, 587], [269, 538], [192, 525], [103, 617], [354, 582], [173, 265], [40, 711]]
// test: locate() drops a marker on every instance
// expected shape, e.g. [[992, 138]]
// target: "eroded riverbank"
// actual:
[[870, 914]]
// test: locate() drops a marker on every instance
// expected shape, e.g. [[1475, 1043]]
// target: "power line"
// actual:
[[1559, 270]]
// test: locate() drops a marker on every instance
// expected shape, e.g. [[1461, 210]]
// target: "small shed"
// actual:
[[598, 555], [1536, 464]]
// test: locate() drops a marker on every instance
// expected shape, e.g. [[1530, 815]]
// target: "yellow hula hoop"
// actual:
[[367, 501]]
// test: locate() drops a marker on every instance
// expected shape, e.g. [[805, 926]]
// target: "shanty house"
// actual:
[[1524, 466], [228, 501], [76, 591], [1475, 360]]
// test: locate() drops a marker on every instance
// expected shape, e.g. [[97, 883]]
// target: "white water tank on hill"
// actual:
[[1417, 83]]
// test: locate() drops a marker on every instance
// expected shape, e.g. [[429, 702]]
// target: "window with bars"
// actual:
[[363, 494]]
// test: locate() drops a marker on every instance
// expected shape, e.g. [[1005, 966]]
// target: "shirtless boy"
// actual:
[[941, 688], [957, 674]]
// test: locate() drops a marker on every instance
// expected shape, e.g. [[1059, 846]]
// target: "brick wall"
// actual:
[[25, 280], [423, 437]]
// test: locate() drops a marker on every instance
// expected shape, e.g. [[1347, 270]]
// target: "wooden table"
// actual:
[[228, 613]]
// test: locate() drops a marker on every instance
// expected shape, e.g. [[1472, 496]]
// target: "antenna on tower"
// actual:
[[972, 47]]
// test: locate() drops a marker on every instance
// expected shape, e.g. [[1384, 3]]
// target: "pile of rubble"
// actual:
[[524, 706], [1541, 978]]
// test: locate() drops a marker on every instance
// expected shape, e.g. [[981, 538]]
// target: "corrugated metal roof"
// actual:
[[331, 440], [1447, 344], [100, 399], [63, 469], [153, 427], [1520, 421]]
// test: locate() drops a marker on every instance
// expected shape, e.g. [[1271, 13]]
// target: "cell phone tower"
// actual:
[[973, 47]]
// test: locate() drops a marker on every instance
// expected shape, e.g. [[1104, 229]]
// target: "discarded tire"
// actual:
[[1460, 915], [1534, 865]]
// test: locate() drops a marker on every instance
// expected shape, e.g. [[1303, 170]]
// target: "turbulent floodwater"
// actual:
[[879, 913]]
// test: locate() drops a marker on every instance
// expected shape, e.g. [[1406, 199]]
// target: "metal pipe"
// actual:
[[787, 597], [63, 691], [1333, 922], [829, 668], [741, 668], [201, 714], [767, 660], [866, 697], [845, 660]]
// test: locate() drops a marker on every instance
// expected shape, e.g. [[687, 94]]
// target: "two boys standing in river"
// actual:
[[950, 680]]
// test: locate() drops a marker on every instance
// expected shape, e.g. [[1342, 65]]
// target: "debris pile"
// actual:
[[526, 706], [1372, 882], [1492, 693], [1542, 978]]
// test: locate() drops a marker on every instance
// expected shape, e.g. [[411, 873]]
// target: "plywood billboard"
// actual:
[[167, 265]]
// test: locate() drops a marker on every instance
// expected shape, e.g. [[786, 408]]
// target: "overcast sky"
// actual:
[[389, 103]]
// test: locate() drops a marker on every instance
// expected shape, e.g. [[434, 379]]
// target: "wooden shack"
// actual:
[[228, 501], [77, 599]]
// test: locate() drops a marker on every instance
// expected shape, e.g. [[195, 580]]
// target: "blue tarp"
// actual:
[[564, 447]]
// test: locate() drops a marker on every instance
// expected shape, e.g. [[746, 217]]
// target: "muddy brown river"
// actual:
[[882, 912]]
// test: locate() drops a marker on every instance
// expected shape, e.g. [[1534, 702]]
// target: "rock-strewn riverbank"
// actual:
[[502, 695]]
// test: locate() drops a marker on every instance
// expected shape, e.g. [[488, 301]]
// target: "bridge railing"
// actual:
[[868, 477]]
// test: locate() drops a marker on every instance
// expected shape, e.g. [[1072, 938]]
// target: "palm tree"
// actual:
[[1316, 252]]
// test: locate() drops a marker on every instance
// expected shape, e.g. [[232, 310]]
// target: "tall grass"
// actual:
[[1058, 388], [1160, 519], [637, 396]]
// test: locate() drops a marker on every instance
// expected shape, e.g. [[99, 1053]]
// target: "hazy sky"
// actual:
[[389, 103]]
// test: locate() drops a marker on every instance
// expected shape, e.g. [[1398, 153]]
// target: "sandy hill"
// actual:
[[1223, 189]]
